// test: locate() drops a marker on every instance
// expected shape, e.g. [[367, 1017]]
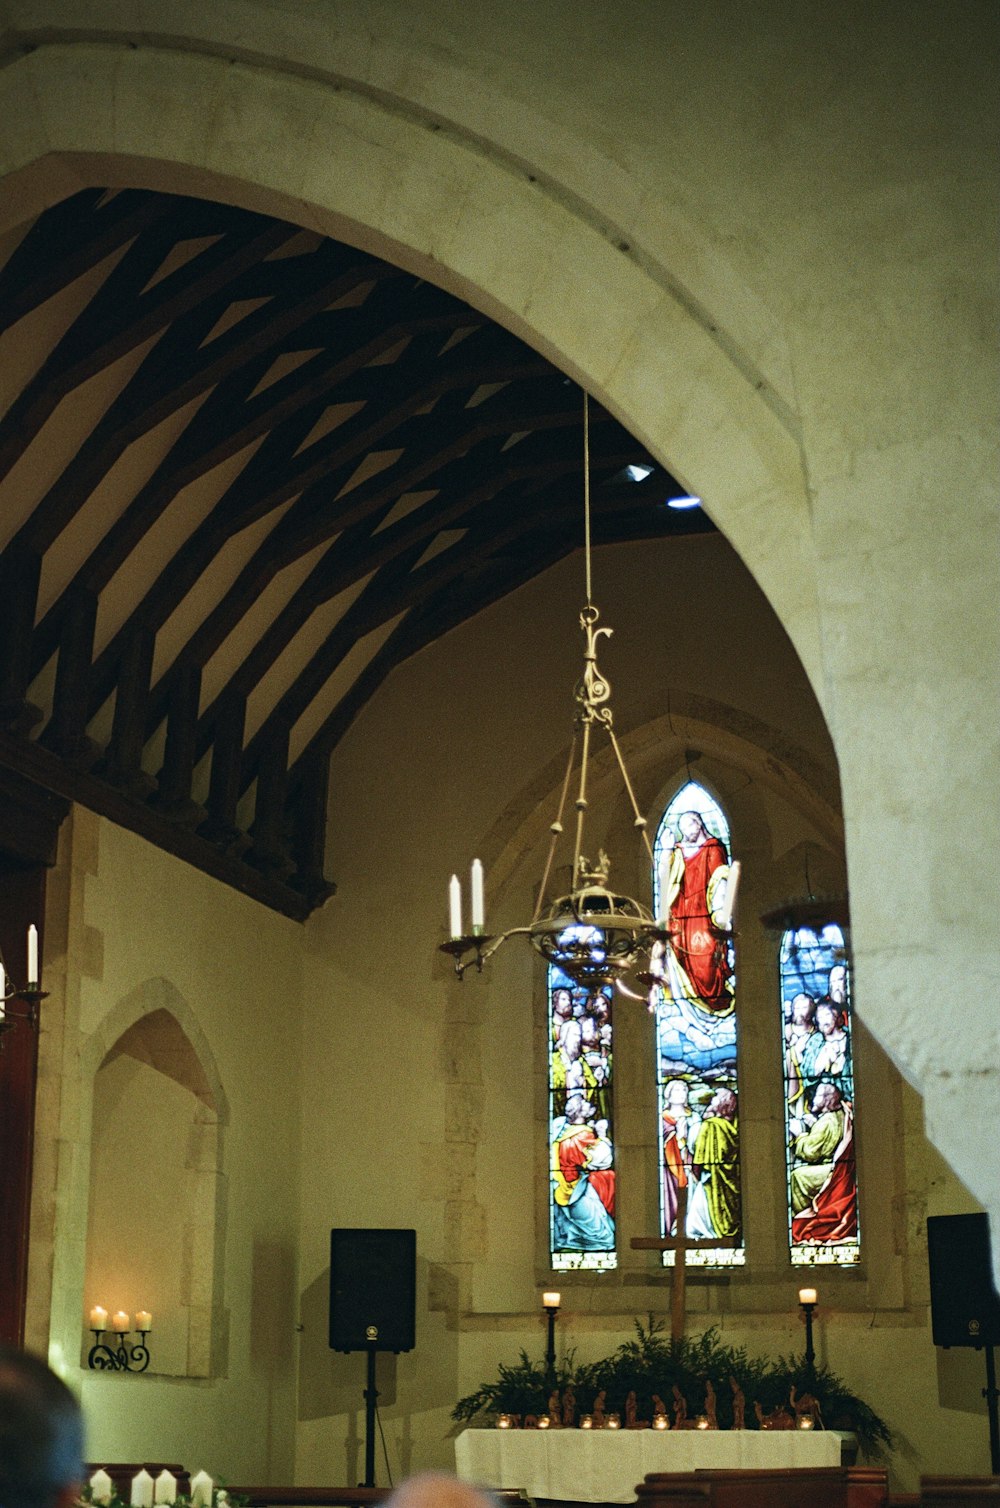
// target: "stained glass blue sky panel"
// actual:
[[819, 1098], [581, 1137], [697, 1088]]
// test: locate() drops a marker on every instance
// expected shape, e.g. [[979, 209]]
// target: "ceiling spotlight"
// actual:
[[638, 473], [683, 502]]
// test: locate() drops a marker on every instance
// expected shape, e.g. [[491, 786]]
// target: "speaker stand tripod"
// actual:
[[991, 1395], [371, 1399]]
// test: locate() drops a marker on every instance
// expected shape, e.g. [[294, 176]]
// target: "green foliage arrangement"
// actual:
[[655, 1363]]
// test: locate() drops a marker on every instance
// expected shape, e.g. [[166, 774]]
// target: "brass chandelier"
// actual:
[[593, 934]]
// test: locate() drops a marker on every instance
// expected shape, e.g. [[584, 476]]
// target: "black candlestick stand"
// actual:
[[807, 1310], [550, 1350]]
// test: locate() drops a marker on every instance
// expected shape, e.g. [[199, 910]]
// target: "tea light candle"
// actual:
[[98, 1318], [586, 1421], [661, 1422], [121, 1323], [807, 1295], [503, 1421], [613, 1421], [702, 1421], [806, 1421], [544, 1422]]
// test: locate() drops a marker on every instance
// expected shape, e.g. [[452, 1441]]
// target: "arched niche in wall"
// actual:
[[156, 1208]]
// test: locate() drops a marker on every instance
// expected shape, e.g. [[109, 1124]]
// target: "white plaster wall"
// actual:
[[131, 930]]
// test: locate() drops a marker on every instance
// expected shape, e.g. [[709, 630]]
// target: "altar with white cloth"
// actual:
[[603, 1466]]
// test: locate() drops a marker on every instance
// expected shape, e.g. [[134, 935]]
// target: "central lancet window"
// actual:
[[698, 1101]]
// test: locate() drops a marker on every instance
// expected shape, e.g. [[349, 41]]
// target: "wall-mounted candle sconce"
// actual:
[[31, 995], [123, 1357]]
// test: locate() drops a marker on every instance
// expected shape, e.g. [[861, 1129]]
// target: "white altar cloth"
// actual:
[[603, 1466]]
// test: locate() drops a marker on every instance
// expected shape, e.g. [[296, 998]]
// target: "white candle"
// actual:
[[455, 906], [101, 1487], [165, 1487], [142, 1490], [120, 1323], [3, 991], [478, 898], [144, 1320], [807, 1295], [201, 1490], [98, 1318], [32, 957]]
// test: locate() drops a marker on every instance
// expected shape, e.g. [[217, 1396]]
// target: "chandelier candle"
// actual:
[[478, 899], [455, 906], [32, 957]]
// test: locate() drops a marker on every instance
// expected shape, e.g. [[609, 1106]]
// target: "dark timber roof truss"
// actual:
[[245, 471]]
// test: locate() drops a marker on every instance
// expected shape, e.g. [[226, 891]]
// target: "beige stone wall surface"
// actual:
[[764, 236]]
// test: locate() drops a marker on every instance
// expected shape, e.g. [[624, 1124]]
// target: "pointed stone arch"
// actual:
[[156, 1205]]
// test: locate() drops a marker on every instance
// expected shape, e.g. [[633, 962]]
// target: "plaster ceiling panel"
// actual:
[[160, 544], [294, 659], [338, 684], [89, 526], [24, 346], [255, 623], [61, 438], [211, 587]]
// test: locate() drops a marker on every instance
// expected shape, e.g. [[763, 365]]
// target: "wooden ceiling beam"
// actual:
[[179, 369], [274, 455], [274, 553], [67, 241], [125, 312], [414, 633], [497, 526], [363, 547]]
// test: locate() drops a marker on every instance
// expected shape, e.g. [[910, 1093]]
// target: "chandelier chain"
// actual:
[[640, 820], [556, 831], [586, 492]]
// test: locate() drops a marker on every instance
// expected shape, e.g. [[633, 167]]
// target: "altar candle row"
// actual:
[[147, 1492], [478, 899]]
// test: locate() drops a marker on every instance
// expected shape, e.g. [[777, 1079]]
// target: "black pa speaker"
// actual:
[[965, 1309], [373, 1289]]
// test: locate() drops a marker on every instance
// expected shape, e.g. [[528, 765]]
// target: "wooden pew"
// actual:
[[789, 1487], [959, 1492], [344, 1497], [311, 1497]]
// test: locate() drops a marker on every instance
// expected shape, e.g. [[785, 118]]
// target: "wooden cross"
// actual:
[[681, 1244]]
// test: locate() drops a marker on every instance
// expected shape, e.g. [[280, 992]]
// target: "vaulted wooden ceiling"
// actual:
[[244, 472]]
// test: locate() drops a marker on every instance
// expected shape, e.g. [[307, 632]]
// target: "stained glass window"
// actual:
[[581, 1140], [695, 1006], [819, 1097]]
